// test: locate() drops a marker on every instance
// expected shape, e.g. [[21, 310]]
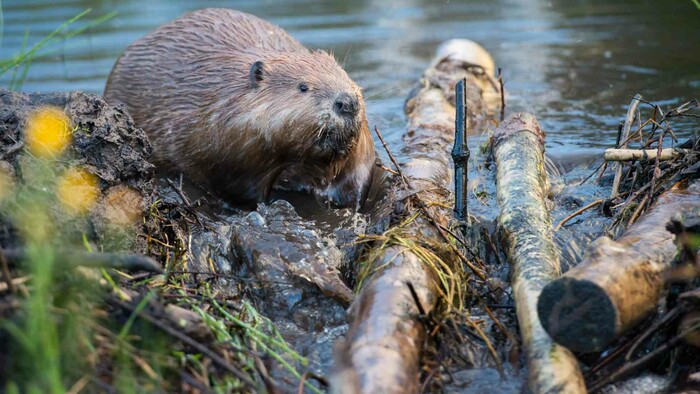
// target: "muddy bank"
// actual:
[[104, 142], [284, 266]]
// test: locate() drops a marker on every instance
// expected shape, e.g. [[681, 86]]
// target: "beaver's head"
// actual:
[[316, 110]]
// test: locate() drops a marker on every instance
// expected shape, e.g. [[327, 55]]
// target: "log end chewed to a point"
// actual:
[[583, 327], [467, 51]]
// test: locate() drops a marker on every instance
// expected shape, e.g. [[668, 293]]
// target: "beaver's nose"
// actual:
[[346, 105]]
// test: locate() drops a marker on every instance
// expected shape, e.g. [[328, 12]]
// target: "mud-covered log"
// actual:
[[381, 352], [619, 282], [527, 228]]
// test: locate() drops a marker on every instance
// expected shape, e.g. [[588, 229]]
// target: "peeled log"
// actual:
[[526, 223], [639, 154], [619, 282], [384, 342]]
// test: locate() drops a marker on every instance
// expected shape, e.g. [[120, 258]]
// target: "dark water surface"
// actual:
[[574, 64]]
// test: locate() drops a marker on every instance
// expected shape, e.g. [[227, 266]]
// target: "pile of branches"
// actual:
[[657, 162], [650, 159]]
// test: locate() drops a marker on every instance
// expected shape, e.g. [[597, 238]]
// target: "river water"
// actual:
[[574, 64]]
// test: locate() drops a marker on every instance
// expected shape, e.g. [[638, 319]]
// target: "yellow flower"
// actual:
[[48, 132], [77, 191]]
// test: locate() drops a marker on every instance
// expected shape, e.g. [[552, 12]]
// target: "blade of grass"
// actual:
[[139, 308], [23, 76], [13, 82], [26, 58], [68, 35], [5, 65]]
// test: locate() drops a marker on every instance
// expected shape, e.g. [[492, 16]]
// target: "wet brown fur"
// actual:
[[188, 85]]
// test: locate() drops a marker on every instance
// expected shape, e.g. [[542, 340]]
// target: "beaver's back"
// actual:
[[186, 67]]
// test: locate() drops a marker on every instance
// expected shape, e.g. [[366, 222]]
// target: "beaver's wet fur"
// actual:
[[234, 102]]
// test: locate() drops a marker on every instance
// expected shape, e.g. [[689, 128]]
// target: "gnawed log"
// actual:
[[619, 282], [639, 154], [526, 223], [381, 352]]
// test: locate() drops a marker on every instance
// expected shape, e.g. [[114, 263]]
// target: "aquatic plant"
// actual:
[[19, 64]]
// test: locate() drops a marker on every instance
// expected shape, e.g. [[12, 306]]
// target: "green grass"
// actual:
[[20, 63], [48, 354]]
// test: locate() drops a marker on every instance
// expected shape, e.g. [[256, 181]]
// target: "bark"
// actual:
[[526, 224], [382, 349], [619, 282]]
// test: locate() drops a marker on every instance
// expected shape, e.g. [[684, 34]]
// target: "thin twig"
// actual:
[[265, 375], [503, 96], [655, 174], [12, 149], [178, 190], [6, 272], [601, 165], [16, 282], [184, 338], [629, 120], [580, 211], [671, 315], [632, 366], [302, 381], [392, 158], [492, 350], [464, 244], [638, 211], [308, 374]]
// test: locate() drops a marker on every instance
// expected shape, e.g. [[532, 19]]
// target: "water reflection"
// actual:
[[574, 64]]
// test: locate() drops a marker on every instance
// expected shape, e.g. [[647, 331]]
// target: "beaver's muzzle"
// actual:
[[338, 141], [346, 105]]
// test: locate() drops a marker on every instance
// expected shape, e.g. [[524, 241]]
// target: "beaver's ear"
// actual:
[[256, 73]]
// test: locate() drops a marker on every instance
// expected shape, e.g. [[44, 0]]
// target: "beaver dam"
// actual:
[[532, 223]]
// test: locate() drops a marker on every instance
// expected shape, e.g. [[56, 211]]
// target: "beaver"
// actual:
[[235, 103]]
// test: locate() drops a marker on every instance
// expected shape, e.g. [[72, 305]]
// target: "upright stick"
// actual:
[[629, 120], [460, 151]]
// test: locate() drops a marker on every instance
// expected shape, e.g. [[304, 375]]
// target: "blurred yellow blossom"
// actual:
[[77, 190], [48, 131]]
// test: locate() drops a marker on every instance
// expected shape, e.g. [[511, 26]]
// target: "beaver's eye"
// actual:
[[303, 87]]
